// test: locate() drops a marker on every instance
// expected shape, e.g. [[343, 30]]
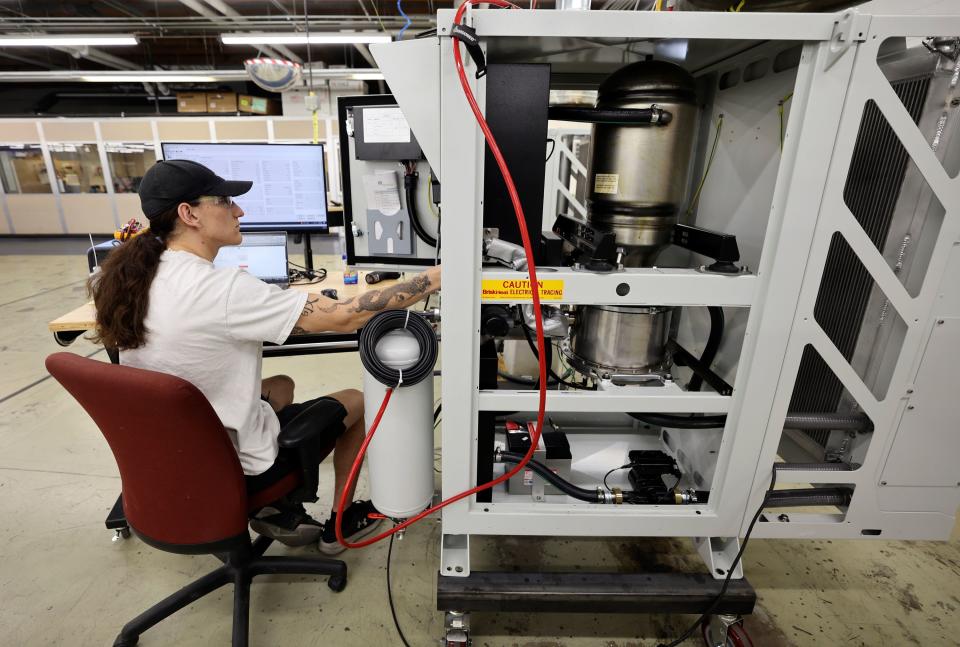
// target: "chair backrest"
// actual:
[[182, 481]]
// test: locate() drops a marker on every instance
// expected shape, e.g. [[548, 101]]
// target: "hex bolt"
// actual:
[[459, 569]]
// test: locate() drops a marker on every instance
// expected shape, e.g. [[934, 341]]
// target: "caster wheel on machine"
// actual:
[[337, 583], [736, 636]]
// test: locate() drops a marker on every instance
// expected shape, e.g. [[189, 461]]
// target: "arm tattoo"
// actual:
[[380, 299], [297, 330], [337, 304], [308, 307]]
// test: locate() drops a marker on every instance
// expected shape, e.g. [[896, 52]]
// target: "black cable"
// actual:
[[733, 567], [550, 371], [382, 323], [410, 178], [680, 422], [552, 148], [425, 34], [303, 276], [615, 469], [713, 345], [393, 611], [516, 379]]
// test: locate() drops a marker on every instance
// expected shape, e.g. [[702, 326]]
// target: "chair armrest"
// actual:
[[310, 423]]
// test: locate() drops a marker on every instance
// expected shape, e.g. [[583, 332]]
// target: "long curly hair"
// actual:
[[121, 290]]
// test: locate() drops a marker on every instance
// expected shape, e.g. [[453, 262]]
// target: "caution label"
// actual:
[[519, 290], [606, 183]]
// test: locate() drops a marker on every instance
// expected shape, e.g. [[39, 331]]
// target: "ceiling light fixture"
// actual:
[[146, 76], [67, 40], [297, 38], [367, 76]]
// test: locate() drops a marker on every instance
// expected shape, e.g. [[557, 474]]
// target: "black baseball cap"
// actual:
[[170, 182]]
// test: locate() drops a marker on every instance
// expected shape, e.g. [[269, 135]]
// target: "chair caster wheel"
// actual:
[[121, 534], [126, 642], [337, 583]]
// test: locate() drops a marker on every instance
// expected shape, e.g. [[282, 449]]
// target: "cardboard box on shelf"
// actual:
[[191, 102], [258, 105], [221, 101]]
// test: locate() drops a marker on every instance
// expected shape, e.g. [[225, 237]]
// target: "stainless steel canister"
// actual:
[[620, 339], [639, 174]]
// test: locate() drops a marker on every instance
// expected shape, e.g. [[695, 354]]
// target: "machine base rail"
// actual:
[[592, 593]]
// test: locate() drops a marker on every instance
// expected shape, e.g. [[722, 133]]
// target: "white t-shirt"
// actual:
[[207, 325]]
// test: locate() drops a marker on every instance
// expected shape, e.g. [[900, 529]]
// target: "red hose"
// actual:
[[541, 343]]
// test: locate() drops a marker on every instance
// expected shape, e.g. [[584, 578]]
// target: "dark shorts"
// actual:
[[288, 460]]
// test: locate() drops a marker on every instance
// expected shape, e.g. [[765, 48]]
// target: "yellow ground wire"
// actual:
[[738, 7], [706, 171]]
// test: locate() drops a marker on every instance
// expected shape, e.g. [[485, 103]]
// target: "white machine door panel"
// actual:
[[927, 443]]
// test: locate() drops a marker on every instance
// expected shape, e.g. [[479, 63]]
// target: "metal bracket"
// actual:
[[851, 27], [455, 556], [718, 554]]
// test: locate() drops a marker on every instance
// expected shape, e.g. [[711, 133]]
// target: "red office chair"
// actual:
[[183, 489]]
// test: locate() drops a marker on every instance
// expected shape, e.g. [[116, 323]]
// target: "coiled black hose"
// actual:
[[382, 323], [809, 497], [410, 187], [681, 422], [815, 467], [713, 345], [591, 496], [851, 422], [828, 421]]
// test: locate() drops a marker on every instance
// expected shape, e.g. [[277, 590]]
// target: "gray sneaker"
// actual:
[[290, 527]]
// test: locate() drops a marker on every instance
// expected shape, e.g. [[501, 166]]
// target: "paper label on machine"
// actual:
[[385, 126], [607, 183]]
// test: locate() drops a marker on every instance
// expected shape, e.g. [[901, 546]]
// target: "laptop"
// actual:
[[262, 253]]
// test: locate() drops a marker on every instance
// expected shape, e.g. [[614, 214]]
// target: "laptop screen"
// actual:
[[263, 254]]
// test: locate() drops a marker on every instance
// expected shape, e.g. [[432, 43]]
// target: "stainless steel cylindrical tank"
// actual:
[[620, 339], [639, 174]]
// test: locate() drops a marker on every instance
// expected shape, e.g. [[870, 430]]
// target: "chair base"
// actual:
[[239, 568]]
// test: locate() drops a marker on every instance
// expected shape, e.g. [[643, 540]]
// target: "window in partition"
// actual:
[[78, 168], [22, 169], [128, 163]]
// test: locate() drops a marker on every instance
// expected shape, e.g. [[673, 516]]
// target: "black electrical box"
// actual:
[[518, 97]]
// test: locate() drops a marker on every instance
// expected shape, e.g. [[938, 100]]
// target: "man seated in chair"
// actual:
[[163, 304]]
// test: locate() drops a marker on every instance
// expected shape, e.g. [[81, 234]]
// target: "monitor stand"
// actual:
[[307, 253]]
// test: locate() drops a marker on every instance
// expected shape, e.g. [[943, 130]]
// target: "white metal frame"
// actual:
[[837, 73]]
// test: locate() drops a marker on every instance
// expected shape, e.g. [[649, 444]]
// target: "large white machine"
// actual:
[[764, 269]]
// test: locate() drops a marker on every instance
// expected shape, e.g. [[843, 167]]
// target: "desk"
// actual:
[[71, 325]]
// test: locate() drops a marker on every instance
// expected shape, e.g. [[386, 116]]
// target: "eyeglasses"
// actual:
[[219, 200]]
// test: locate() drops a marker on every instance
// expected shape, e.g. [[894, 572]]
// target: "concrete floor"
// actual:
[[63, 582]]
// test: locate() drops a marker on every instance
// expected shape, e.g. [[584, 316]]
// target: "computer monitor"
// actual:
[[289, 181], [263, 254]]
